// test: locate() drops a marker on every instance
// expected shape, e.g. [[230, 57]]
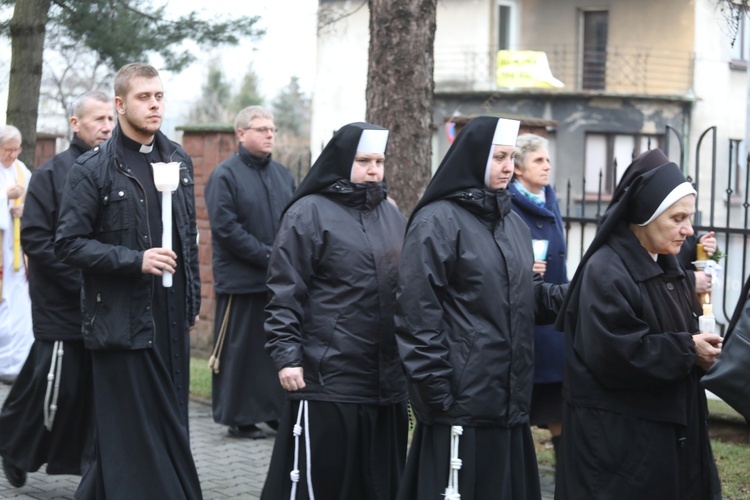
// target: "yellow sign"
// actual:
[[524, 69]]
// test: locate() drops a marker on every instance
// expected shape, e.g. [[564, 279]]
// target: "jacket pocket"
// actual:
[[117, 214], [324, 340], [106, 317], [459, 357]]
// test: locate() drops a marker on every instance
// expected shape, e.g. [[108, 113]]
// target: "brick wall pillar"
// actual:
[[207, 146]]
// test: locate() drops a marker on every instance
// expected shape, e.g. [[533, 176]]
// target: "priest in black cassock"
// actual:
[[46, 416], [137, 330]]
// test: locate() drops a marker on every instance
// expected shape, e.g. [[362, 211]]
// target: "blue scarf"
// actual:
[[537, 199]]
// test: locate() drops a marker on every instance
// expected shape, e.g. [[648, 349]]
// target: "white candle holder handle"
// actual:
[[166, 179]]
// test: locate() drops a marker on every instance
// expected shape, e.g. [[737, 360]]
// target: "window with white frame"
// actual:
[[607, 155]]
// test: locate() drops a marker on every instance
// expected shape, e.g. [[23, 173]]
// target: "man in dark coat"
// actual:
[[47, 420], [136, 328], [636, 417], [245, 196], [466, 307], [332, 279]]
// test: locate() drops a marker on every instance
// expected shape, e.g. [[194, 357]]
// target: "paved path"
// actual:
[[228, 467]]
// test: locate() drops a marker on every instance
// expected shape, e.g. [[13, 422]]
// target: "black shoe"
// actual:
[[15, 476], [273, 424], [246, 431]]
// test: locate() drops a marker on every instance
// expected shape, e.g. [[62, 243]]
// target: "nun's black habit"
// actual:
[[332, 280], [635, 417], [466, 308]]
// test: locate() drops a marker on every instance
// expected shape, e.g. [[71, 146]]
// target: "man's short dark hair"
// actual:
[[130, 71]]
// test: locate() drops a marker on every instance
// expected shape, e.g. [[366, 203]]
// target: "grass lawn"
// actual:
[[731, 442]]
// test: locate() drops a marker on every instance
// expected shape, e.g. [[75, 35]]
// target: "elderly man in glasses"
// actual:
[[245, 196], [16, 334]]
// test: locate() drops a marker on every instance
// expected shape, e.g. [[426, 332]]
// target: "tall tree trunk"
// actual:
[[400, 89], [27, 30]]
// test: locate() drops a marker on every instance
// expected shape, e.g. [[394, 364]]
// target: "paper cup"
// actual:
[[540, 249]]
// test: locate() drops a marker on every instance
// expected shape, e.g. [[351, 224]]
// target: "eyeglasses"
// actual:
[[11, 151], [263, 130]]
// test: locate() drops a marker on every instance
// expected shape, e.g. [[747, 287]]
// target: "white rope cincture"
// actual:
[[451, 492], [53, 384], [297, 432]]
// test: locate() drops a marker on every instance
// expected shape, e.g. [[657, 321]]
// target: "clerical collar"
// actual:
[[137, 146]]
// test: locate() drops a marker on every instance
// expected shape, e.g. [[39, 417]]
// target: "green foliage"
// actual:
[[215, 93], [125, 31], [217, 103], [200, 378], [731, 460], [291, 110], [248, 95], [718, 255]]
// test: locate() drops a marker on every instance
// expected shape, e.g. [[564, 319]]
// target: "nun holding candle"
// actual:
[[635, 416]]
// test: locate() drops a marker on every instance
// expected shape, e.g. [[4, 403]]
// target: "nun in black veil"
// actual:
[[645, 162], [635, 415], [329, 325], [466, 307]]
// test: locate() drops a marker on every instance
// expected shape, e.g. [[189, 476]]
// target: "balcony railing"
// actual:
[[624, 70]]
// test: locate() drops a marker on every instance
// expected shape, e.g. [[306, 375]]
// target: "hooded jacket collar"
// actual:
[[252, 160], [78, 146], [365, 196], [489, 205]]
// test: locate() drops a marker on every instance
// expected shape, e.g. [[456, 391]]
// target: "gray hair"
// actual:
[[8, 133], [528, 143], [81, 102], [249, 114]]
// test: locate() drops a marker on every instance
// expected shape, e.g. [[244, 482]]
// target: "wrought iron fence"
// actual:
[[632, 70]]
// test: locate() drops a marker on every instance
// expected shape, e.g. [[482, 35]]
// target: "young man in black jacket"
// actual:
[[46, 420], [136, 328]]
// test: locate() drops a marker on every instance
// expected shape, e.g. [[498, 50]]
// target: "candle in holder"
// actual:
[[707, 322], [166, 179], [700, 252]]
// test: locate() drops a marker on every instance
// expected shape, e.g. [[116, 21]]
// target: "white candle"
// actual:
[[166, 232], [707, 322], [166, 179]]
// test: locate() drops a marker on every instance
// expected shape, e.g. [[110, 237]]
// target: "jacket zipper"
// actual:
[[148, 229]]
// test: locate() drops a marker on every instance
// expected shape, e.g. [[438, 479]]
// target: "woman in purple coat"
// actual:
[[535, 201]]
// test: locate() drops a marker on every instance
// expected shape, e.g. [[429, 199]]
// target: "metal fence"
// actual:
[[618, 69], [723, 194]]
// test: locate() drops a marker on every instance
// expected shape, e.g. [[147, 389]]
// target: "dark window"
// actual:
[[503, 27], [741, 45], [594, 50]]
